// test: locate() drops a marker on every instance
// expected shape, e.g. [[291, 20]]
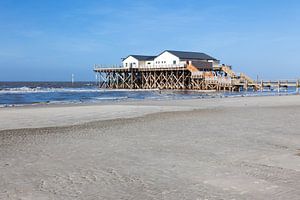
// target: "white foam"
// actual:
[[109, 98], [22, 90]]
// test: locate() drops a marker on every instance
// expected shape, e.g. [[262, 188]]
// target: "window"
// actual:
[[174, 62], [126, 64]]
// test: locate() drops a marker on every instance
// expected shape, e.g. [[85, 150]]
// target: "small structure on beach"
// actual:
[[174, 70]]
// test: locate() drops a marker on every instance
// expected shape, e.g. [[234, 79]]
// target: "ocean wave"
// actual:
[[109, 98], [45, 90], [65, 102], [11, 105], [20, 96]]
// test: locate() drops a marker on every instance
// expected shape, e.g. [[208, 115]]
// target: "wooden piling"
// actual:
[[179, 79]]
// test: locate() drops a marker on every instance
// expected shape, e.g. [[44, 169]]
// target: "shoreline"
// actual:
[[130, 100], [111, 100], [49, 115]]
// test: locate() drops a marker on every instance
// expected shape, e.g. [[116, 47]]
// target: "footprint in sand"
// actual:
[[298, 153]]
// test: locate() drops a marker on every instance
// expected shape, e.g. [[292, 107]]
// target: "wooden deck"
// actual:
[[183, 78], [123, 69], [280, 84]]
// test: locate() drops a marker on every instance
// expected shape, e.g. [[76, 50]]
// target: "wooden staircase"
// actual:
[[242, 79], [228, 71], [196, 73], [232, 79], [247, 78], [250, 81]]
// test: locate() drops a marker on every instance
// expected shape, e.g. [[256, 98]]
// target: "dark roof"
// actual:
[[180, 54], [202, 64], [191, 55], [141, 57]]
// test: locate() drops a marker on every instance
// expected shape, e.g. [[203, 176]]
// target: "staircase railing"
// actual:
[[228, 71], [247, 78]]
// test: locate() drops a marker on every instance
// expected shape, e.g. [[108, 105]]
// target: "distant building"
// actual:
[[174, 70], [137, 61], [169, 59]]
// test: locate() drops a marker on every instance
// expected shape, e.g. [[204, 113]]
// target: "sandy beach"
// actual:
[[221, 148]]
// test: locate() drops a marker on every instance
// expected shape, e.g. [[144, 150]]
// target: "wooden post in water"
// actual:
[[246, 86], [117, 80], [183, 80], [131, 78]]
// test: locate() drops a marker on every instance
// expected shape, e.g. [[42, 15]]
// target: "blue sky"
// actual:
[[44, 40]]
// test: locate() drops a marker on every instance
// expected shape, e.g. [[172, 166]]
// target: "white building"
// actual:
[[138, 61], [171, 58]]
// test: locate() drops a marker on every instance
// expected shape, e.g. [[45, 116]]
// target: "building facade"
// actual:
[[169, 59]]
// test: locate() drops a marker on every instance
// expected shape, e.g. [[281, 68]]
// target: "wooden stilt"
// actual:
[[179, 79]]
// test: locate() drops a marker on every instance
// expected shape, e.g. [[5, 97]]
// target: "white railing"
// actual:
[[97, 66], [218, 79], [198, 73], [163, 66]]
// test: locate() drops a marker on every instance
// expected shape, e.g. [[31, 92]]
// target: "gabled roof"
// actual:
[[190, 55], [141, 57], [180, 54]]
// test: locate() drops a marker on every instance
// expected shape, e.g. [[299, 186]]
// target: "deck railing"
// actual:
[[218, 79], [163, 66], [97, 66]]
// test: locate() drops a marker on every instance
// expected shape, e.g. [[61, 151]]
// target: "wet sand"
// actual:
[[231, 148]]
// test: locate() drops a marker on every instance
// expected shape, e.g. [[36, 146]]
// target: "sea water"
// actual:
[[24, 93]]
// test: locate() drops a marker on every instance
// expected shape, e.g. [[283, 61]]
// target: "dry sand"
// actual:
[[231, 148]]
